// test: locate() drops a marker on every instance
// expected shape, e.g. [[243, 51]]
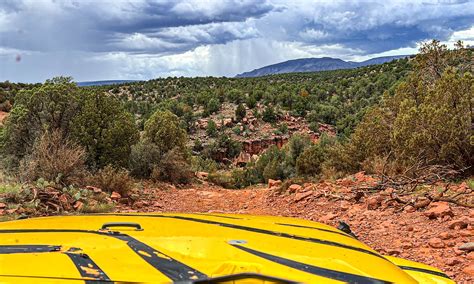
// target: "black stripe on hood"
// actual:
[[315, 270]]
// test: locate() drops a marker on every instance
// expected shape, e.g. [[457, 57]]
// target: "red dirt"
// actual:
[[388, 229]]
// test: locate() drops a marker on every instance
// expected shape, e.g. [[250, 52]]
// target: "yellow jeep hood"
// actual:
[[194, 248]]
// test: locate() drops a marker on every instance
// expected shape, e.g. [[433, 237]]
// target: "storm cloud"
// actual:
[[94, 40]]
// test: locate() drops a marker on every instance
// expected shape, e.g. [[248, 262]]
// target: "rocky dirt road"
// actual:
[[432, 234]]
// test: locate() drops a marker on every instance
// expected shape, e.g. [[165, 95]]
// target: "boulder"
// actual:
[[439, 210], [2, 205]]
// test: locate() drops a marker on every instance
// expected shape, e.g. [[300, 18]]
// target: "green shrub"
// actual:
[[310, 161], [269, 114], [200, 164], [95, 121], [427, 121], [144, 157], [222, 178], [48, 107], [105, 129], [211, 129], [240, 112], [164, 130]]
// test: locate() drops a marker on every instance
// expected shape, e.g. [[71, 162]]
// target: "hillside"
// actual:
[[314, 65]]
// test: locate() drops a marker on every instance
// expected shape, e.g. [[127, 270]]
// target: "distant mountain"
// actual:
[[314, 65], [105, 82]]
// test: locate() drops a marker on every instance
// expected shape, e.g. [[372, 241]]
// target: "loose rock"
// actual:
[[467, 247], [436, 243], [439, 210]]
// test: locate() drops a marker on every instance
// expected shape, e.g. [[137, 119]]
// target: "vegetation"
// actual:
[[426, 120], [406, 114]]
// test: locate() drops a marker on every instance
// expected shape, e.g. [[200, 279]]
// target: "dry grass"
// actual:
[[55, 158], [111, 179]]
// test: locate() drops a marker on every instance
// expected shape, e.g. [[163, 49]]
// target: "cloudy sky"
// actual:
[[144, 39]]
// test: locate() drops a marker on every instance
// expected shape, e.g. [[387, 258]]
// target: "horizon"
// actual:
[[143, 40]]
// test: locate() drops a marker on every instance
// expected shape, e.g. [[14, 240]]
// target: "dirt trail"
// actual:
[[387, 229]]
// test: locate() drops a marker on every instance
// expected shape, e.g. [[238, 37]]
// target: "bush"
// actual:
[[200, 164], [55, 158], [240, 112], [222, 178], [112, 179], [428, 120], [309, 162], [164, 130], [48, 107], [269, 114], [105, 129], [174, 167], [224, 148], [95, 121], [144, 157], [211, 129]]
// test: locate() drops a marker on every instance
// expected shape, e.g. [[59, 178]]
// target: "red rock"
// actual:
[[470, 255], [328, 217], [294, 188], [78, 205], [460, 223], [115, 195], [2, 205], [466, 233], [302, 195], [436, 243], [445, 235], [11, 211], [273, 183], [409, 209], [438, 210], [2, 212], [374, 202], [469, 270], [452, 261]]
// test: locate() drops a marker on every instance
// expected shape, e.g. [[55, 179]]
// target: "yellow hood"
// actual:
[[194, 248]]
